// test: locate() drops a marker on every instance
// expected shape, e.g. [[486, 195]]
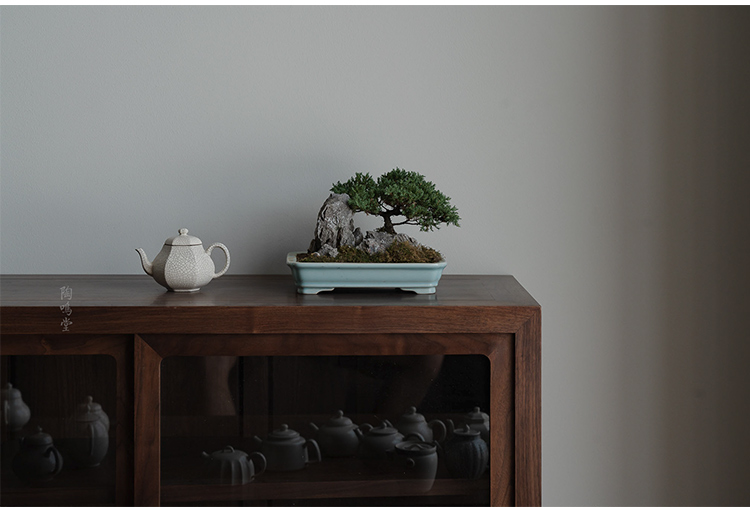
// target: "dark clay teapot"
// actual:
[[37, 460], [466, 455], [476, 420], [380, 440]]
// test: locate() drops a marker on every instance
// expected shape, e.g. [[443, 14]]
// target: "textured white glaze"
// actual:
[[184, 267]]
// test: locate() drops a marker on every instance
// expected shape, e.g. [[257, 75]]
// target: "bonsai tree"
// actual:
[[399, 193]]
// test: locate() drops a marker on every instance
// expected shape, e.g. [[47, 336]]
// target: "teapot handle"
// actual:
[[58, 459], [365, 427], [316, 451], [260, 467], [439, 430], [226, 252]]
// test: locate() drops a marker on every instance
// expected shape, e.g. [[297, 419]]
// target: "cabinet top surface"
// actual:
[[248, 291]]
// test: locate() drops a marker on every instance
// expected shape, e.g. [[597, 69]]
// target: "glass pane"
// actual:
[[58, 443], [355, 409]]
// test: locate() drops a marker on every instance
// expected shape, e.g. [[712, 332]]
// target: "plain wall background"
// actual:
[[598, 154]]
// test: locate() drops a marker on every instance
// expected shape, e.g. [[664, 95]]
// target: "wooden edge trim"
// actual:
[[528, 403], [268, 320], [147, 454]]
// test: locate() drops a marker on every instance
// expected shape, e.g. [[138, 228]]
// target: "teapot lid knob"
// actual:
[[183, 239]]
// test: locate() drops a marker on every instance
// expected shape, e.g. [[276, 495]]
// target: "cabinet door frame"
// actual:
[[119, 347], [525, 410]]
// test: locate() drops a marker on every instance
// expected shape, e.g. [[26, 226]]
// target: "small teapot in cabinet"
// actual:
[[338, 437], [182, 265], [414, 422], [476, 420], [230, 466], [90, 435], [466, 454], [284, 449], [37, 460], [380, 440], [15, 412]]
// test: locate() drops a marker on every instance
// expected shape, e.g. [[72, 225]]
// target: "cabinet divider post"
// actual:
[[147, 381]]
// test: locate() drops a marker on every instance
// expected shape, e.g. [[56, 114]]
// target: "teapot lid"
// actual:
[[412, 416], [339, 420], [183, 239], [477, 415], [383, 430], [10, 392], [38, 438], [414, 447], [466, 431], [283, 433], [88, 411], [228, 453]]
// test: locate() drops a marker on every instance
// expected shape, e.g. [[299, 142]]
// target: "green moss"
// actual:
[[399, 251]]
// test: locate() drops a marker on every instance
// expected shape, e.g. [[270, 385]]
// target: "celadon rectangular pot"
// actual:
[[315, 277]]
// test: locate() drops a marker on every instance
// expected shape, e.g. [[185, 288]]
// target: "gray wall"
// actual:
[[599, 154]]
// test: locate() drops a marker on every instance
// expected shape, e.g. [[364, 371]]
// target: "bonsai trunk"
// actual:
[[388, 225]]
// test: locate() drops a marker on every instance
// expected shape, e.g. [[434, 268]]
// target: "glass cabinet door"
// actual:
[[58, 445], [325, 430]]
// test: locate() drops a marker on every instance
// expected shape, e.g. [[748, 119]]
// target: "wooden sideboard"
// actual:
[[119, 337]]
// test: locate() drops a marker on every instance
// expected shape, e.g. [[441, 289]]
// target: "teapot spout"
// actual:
[[147, 266]]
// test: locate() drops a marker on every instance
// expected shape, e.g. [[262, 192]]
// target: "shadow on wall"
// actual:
[[688, 258]]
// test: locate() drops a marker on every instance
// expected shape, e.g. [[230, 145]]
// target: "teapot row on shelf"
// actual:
[[410, 448]]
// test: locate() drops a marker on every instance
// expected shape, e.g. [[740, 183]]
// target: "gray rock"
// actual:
[[378, 241], [358, 236], [327, 251], [335, 226]]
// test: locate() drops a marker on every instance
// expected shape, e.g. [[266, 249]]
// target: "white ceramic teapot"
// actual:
[[230, 466], [183, 265], [285, 449], [89, 434], [16, 413], [337, 437]]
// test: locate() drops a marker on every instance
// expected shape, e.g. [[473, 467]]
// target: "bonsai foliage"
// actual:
[[399, 193]]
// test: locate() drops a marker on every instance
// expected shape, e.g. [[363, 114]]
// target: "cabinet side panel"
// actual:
[[529, 412]]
